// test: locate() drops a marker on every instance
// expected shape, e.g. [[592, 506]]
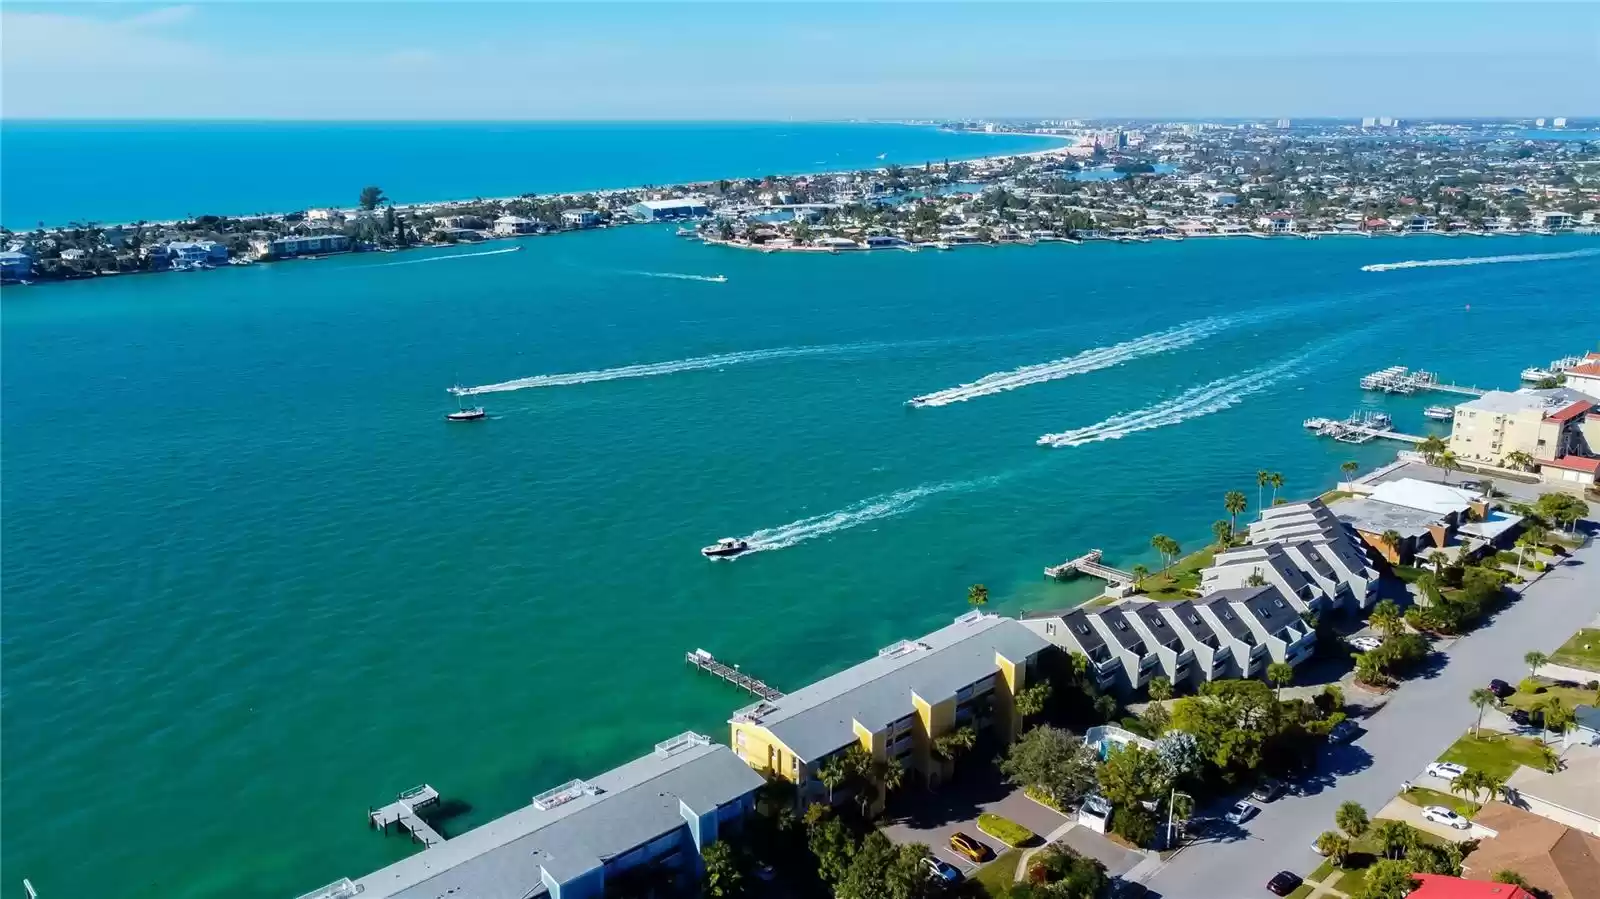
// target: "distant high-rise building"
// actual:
[[1385, 122], [1369, 122], [1560, 122], [1538, 123], [1283, 123], [1122, 140]]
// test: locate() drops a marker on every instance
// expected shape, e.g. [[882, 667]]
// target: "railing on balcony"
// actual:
[[1149, 660]]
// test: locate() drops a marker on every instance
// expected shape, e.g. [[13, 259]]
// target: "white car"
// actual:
[[1241, 812], [1365, 644], [1438, 814], [1445, 770]]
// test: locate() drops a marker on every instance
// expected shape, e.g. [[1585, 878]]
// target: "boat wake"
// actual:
[[1192, 403], [885, 506], [680, 276], [1478, 260], [499, 252], [653, 369], [1086, 361]]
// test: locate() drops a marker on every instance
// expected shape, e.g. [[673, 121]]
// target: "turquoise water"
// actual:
[[254, 583], [81, 171]]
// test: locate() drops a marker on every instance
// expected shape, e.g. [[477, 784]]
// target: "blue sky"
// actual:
[[775, 60]]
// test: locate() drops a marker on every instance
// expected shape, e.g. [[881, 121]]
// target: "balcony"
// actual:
[[1185, 657], [1149, 660]]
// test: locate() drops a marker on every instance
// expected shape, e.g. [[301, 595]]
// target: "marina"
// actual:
[[1534, 375], [1401, 380], [705, 661], [1360, 427]]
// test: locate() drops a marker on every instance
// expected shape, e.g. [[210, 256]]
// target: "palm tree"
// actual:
[[1449, 462], [977, 596], [1160, 688], [1223, 531], [1277, 484], [833, 776], [1106, 705], [1349, 470], [1396, 837], [1482, 698], [1235, 503], [1386, 618], [1168, 548], [955, 743], [1335, 846], [1391, 538], [1139, 574], [1468, 783], [1263, 477], [1352, 819], [1518, 459], [1031, 700], [1280, 673], [1431, 448], [1533, 659]]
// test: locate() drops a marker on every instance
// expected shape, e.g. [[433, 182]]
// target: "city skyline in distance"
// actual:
[[775, 61]]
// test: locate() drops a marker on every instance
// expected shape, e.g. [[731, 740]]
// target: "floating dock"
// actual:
[[1088, 563], [1402, 380], [1353, 430], [705, 661], [402, 812]]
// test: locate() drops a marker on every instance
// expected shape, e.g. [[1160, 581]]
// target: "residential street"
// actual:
[[1419, 722]]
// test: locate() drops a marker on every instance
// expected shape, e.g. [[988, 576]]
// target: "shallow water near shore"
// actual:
[[254, 583]]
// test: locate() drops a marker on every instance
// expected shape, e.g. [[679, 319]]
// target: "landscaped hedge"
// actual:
[[1005, 830]]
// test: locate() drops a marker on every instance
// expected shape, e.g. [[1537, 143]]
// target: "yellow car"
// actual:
[[970, 847]]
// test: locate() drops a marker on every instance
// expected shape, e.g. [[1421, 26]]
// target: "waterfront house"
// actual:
[[15, 265], [1542, 424], [1276, 223], [587, 839], [896, 704], [1326, 551], [73, 254], [325, 218], [580, 218], [1265, 563], [667, 210], [194, 252], [1259, 626], [1552, 220], [462, 222], [509, 225], [298, 245], [1424, 514], [1076, 632]]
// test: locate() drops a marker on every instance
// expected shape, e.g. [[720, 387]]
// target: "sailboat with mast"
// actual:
[[463, 411]]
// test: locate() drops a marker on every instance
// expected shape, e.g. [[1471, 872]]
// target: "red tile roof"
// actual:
[[1438, 886], [1568, 413], [1573, 463], [1587, 368]]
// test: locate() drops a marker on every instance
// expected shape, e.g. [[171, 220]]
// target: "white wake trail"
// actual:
[[1192, 403], [451, 256], [680, 276], [1478, 260], [653, 369], [1082, 363], [885, 506]]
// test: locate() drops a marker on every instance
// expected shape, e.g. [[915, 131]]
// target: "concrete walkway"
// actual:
[[1564, 672]]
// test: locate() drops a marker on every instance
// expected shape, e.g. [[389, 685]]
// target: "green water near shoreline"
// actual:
[[249, 567]]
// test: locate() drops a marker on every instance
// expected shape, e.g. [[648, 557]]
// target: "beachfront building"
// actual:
[[653, 816], [667, 210], [580, 218], [1267, 563], [1130, 642], [1119, 659], [1551, 220], [1322, 548], [1221, 199], [1585, 376], [1542, 424], [195, 252], [299, 245], [15, 265], [1276, 223], [896, 704], [510, 225], [1258, 626], [1425, 515]]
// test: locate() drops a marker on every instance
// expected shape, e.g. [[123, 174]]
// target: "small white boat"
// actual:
[[464, 412], [1439, 413], [720, 279], [1534, 375], [726, 548]]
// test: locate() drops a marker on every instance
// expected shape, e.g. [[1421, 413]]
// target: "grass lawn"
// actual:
[[1350, 881], [998, 877], [1301, 891], [1573, 653], [1421, 796], [1322, 872], [1182, 577], [1335, 495], [1005, 830], [1497, 754], [1571, 697], [1408, 573]]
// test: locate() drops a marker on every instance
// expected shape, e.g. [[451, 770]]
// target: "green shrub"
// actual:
[[1005, 830], [1134, 824], [1529, 685]]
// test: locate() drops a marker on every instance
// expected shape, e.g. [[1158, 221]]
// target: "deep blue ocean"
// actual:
[[254, 583], [107, 172]]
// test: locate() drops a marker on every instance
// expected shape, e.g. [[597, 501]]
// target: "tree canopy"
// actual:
[[1053, 760]]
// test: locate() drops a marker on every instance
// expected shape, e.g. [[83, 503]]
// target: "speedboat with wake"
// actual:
[[726, 548]]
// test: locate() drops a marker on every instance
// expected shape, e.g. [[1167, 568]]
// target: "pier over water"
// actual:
[[705, 661]]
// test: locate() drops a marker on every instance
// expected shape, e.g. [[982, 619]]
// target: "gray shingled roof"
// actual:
[[1375, 517], [817, 719], [632, 805]]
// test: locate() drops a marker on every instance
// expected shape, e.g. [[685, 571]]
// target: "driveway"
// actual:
[[921, 816], [1419, 722], [1400, 810]]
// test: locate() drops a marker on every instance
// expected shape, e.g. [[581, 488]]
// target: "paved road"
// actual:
[[1421, 719]]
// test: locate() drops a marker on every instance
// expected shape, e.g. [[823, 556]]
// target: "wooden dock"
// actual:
[[402, 812], [1089, 563], [705, 661]]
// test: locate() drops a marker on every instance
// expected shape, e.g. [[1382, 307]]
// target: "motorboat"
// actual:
[[475, 413], [1439, 413], [726, 548], [720, 279]]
